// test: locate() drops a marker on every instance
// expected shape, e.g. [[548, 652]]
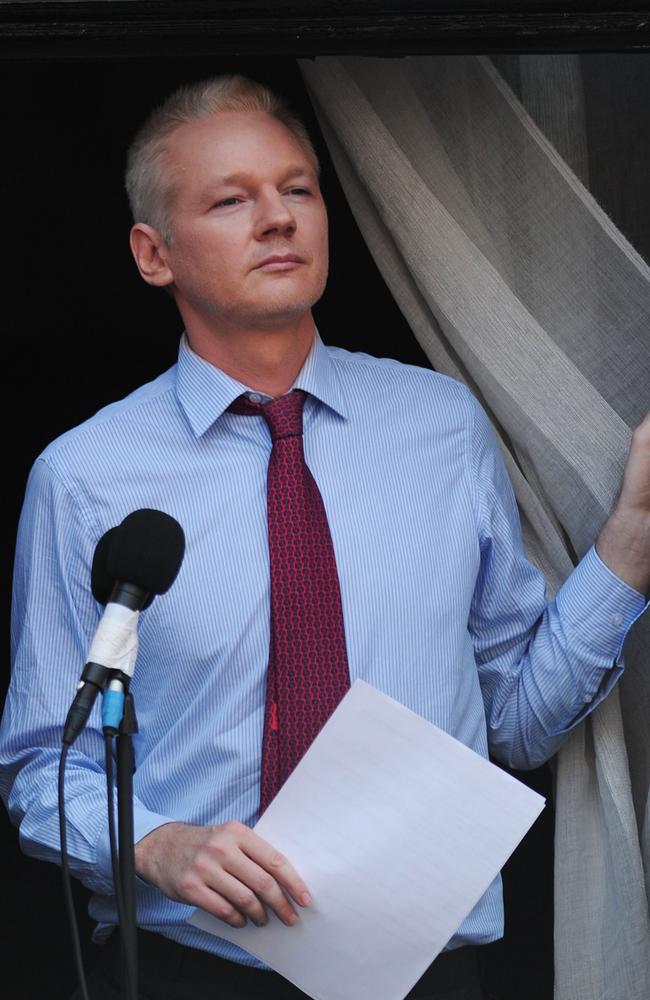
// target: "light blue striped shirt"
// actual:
[[442, 611]]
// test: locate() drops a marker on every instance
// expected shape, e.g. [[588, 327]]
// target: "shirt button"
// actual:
[[589, 699], [255, 397], [617, 619]]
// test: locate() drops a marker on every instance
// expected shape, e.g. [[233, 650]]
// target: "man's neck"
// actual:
[[265, 360]]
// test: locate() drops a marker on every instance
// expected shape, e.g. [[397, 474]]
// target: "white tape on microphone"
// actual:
[[115, 644]]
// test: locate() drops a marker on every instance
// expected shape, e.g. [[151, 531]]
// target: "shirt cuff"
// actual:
[[599, 605], [143, 823]]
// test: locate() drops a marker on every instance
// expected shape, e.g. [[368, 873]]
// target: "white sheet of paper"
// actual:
[[397, 829]]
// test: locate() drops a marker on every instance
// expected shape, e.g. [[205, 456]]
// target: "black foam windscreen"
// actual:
[[147, 550], [101, 581]]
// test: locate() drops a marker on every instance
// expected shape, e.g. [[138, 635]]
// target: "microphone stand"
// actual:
[[125, 771]]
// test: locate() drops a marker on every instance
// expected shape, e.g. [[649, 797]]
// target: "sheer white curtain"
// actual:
[[475, 207]]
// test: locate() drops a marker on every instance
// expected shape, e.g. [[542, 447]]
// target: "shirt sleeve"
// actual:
[[54, 616], [542, 667]]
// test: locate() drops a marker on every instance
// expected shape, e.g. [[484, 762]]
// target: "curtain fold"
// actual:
[[515, 281]]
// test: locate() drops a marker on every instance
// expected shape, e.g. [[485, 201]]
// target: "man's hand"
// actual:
[[227, 870], [624, 542]]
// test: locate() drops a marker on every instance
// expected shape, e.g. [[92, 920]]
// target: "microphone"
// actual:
[[144, 557], [100, 582], [132, 563]]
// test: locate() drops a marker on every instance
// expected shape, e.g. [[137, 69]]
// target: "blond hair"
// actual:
[[148, 185]]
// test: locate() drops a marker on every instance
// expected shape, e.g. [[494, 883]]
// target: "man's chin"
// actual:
[[271, 310], [276, 312], [276, 319]]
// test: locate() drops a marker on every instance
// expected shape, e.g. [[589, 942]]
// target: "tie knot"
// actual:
[[283, 415]]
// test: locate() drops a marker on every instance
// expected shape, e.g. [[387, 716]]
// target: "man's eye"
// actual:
[[299, 190], [226, 202]]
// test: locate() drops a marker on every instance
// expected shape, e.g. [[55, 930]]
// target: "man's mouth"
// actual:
[[280, 262]]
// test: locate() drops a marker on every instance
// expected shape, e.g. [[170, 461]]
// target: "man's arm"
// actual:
[[542, 667], [624, 541], [53, 619]]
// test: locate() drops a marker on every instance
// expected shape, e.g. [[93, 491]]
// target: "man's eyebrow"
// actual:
[[243, 178]]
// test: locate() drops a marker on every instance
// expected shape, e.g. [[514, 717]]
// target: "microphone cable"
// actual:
[[110, 790]]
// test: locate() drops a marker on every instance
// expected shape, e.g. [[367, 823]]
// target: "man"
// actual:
[[440, 608]]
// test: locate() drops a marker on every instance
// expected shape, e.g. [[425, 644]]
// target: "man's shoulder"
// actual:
[[384, 378], [108, 430]]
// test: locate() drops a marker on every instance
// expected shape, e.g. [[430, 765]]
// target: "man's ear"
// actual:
[[150, 253]]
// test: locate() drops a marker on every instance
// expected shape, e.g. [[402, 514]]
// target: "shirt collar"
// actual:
[[205, 392], [319, 378]]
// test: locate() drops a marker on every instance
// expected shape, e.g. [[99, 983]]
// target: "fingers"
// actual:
[[241, 898], [216, 891], [264, 888], [260, 872], [274, 864], [217, 905]]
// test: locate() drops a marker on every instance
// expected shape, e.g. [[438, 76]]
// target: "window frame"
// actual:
[[86, 29]]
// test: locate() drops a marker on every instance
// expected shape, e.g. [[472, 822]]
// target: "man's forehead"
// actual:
[[224, 151]]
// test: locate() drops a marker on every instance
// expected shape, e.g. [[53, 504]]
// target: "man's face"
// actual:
[[249, 225]]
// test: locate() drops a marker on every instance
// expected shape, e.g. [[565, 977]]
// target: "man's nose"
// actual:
[[274, 216]]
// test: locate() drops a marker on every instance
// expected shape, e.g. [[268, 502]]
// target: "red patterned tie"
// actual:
[[308, 665]]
